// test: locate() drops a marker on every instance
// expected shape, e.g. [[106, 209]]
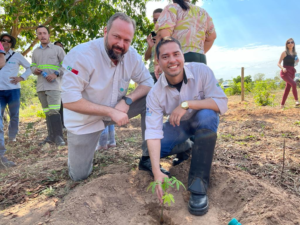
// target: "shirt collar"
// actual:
[[48, 45], [105, 55], [10, 52]]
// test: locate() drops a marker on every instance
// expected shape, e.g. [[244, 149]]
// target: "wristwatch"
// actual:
[[185, 105], [56, 73], [128, 101]]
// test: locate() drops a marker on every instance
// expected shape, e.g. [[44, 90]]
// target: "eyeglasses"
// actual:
[[5, 40], [290, 42]]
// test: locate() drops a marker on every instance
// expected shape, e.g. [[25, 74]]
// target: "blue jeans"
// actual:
[[203, 119], [107, 136], [12, 99]]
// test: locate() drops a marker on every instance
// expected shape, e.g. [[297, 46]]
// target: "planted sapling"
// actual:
[[167, 197]]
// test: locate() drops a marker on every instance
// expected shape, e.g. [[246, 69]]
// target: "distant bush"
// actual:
[[262, 92], [236, 89], [131, 88]]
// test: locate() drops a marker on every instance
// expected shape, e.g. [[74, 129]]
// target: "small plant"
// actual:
[[49, 191], [167, 197]]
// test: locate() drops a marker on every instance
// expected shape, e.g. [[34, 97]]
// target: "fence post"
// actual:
[[242, 85]]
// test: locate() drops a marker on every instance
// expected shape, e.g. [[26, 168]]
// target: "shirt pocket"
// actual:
[[53, 60], [122, 88]]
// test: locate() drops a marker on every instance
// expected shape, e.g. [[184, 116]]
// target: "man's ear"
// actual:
[[105, 30]]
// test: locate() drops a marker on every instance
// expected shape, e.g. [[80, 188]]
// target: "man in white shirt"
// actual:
[[95, 83], [192, 97], [10, 91]]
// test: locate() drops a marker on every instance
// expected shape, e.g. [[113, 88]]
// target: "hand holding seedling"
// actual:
[[159, 178], [161, 190]]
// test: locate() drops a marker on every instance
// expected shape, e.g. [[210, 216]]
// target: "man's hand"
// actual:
[[16, 80], [176, 115], [122, 106], [37, 71], [119, 117], [51, 77], [159, 177], [150, 40], [157, 71]]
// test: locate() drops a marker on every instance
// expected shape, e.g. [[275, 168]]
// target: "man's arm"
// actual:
[[209, 41], [61, 56], [33, 66], [84, 106], [150, 43]]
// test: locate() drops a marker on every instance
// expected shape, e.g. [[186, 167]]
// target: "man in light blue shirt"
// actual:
[[10, 92]]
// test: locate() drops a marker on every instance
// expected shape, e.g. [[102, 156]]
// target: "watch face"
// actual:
[[184, 104], [128, 101]]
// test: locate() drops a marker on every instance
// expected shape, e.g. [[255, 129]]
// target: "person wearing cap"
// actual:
[[193, 99], [2, 56], [10, 91], [46, 64]]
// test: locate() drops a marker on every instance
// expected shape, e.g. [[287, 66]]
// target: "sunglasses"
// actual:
[[290, 42], [5, 40]]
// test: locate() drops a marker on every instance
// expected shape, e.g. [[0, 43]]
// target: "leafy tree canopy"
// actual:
[[70, 21], [247, 79]]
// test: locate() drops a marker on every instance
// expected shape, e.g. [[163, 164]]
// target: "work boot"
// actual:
[[180, 157], [56, 129], [49, 138], [202, 156], [145, 164], [5, 162]]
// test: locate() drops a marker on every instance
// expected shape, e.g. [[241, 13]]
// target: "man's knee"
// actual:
[[207, 119]]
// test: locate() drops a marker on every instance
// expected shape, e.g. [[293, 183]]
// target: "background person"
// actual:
[[10, 91], [61, 110], [107, 138], [288, 70], [47, 58], [190, 25], [150, 52], [190, 94]]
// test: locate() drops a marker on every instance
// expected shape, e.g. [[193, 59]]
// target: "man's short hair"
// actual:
[[121, 16], [42, 26], [166, 40], [159, 10]]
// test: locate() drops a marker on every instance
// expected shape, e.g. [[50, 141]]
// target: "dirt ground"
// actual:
[[255, 176]]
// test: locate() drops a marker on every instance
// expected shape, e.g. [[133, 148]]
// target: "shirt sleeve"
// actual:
[[210, 27], [61, 56], [140, 73], [213, 90], [167, 19], [2, 49], [75, 78], [33, 62], [26, 66], [154, 118]]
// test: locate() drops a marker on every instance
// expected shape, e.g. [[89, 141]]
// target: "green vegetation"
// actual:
[[167, 197]]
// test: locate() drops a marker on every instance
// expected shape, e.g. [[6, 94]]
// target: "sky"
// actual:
[[250, 34]]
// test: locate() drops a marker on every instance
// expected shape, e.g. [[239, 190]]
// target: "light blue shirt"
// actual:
[[11, 69]]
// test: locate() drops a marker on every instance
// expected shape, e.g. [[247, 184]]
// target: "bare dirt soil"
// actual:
[[252, 179]]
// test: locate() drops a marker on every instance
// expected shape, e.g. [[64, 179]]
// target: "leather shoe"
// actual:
[[146, 166], [180, 157], [198, 204]]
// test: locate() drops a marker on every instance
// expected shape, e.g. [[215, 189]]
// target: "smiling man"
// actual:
[[190, 94], [97, 76]]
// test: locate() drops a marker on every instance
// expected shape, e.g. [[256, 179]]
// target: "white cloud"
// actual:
[[227, 62]]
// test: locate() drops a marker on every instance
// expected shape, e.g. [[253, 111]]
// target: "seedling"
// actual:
[[167, 197]]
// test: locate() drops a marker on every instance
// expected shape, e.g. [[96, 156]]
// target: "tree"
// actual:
[[247, 79], [70, 21], [259, 77]]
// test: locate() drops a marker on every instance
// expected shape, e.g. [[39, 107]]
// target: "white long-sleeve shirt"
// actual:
[[11, 69], [90, 74], [163, 99]]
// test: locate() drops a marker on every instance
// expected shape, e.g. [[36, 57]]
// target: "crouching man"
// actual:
[[190, 94]]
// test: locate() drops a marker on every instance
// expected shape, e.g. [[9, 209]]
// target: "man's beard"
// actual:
[[110, 51]]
